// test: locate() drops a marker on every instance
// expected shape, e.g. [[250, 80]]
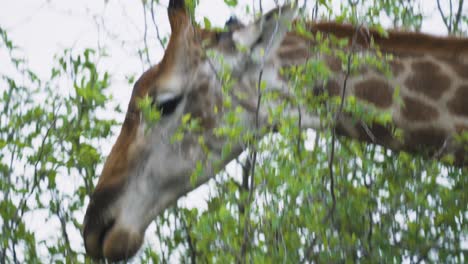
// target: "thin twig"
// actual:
[[444, 18], [458, 15], [158, 35], [368, 132], [337, 116], [451, 16], [256, 134], [63, 227], [246, 174], [145, 34], [22, 206], [253, 162], [190, 242], [299, 135]]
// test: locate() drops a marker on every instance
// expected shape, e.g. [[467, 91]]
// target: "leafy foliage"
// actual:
[[48, 138]]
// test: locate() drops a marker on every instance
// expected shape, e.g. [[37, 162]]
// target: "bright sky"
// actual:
[[44, 28]]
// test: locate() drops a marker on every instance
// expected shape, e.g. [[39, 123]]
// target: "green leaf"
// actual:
[[231, 3], [207, 23]]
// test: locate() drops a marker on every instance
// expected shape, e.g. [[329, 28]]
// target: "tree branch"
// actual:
[[158, 35], [145, 34], [444, 18], [458, 16], [337, 116]]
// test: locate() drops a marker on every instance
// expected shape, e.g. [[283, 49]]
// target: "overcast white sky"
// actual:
[[44, 28]]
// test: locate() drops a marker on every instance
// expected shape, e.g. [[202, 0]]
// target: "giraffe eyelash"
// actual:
[[167, 103]]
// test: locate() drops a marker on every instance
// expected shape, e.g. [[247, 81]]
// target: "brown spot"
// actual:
[[429, 139], [376, 92], [367, 132], [333, 88], [376, 133], [397, 67], [461, 69], [292, 55], [204, 87], [291, 40], [333, 63], [428, 80], [457, 65], [414, 110], [407, 54], [432, 142], [459, 103]]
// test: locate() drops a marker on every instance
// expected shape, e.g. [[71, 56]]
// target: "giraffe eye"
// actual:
[[167, 103]]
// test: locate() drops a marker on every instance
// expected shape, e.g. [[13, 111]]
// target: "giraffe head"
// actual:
[[146, 171]]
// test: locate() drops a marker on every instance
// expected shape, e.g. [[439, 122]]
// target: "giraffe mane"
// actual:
[[396, 41]]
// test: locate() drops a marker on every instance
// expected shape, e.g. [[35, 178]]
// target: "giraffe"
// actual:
[[145, 172]]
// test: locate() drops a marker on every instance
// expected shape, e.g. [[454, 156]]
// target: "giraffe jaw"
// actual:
[[120, 234]]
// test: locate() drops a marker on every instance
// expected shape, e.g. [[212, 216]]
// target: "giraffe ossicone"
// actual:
[[146, 171]]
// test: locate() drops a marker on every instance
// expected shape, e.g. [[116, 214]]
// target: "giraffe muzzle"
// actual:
[[103, 236]]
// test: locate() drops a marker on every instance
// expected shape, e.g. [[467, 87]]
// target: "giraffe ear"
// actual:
[[174, 4], [178, 16], [265, 35]]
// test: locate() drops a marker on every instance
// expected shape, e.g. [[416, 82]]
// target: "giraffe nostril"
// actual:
[[100, 219], [95, 235], [105, 232]]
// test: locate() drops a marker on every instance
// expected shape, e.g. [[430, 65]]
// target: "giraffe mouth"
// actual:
[[95, 235], [104, 235], [99, 219], [105, 232], [96, 230], [112, 242]]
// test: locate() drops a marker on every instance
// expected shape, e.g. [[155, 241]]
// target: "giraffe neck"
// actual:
[[430, 73]]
